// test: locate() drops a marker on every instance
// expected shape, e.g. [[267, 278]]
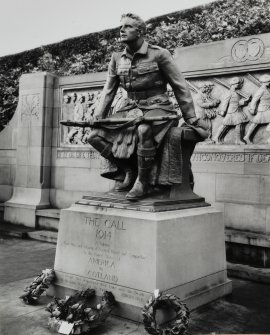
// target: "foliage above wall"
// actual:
[[91, 53]]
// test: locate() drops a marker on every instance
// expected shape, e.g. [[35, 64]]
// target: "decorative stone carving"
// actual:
[[250, 50], [30, 106], [260, 107], [205, 104], [89, 154], [231, 108], [80, 106], [75, 135]]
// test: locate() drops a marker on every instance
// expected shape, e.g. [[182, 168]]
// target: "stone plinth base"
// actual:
[[132, 253]]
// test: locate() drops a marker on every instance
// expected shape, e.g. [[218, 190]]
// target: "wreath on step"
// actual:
[[78, 310], [38, 286], [167, 301]]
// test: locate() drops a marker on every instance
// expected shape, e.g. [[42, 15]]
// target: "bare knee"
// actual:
[[144, 131], [92, 137]]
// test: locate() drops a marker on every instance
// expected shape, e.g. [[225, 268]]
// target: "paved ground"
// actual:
[[246, 311]]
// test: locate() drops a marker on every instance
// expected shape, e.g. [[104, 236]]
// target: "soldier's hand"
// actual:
[[202, 124], [91, 120], [192, 121], [217, 102]]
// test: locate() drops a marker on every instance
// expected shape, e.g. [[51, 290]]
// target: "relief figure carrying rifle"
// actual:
[[206, 105], [231, 108], [136, 149]]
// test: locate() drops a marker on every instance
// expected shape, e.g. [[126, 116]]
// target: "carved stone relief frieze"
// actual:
[[78, 104], [205, 104], [235, 108]]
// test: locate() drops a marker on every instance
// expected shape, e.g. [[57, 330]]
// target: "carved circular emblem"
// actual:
[[251, 50]]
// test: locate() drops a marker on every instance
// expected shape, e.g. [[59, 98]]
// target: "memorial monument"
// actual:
[[151, 231]]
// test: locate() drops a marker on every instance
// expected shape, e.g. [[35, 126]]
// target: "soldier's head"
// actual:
[[80, 98], [67, 99], [265, 79], [132, 27], [206, 87], [236, 82], [74, 97]]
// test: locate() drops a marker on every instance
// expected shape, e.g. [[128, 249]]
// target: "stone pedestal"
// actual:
[[32, 183], [132, 252]]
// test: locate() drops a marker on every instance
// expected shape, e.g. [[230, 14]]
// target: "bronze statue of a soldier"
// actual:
[[144, 71]]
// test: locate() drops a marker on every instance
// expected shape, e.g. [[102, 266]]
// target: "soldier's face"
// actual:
[[128, 30]]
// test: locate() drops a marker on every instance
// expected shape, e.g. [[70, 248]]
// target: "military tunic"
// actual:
[[144, 76], [232, 107], [261, 104]]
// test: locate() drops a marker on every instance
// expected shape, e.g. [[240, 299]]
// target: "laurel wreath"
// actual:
[[78, 309], [38, 286], [176, 327]]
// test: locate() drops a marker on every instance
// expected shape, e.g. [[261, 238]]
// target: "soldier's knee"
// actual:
[[144, 130], [92, 137]]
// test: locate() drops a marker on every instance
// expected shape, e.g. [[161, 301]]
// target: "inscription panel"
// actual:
[[102, 251], [247, 157], [121, 293], [87, 154]]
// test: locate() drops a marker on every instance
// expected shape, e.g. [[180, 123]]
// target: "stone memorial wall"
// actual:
[[232, 170], [76, 166], [8, 144], [52, 166]]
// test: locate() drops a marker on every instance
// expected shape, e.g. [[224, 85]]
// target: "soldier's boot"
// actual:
[[238, 130], [146, 158], [129, 173], [127, 183], [251, 129], [105, 150], [219, 135]]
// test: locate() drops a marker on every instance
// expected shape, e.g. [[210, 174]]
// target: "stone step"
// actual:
[[13, 230], [48, 219], [43, 235], [261, 275], [247, 238]]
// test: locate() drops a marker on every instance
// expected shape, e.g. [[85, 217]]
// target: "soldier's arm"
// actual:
[[178, 84], [109, 90], [224, 104], [255, 101]]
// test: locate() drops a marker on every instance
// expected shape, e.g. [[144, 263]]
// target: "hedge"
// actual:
[[218, 20]]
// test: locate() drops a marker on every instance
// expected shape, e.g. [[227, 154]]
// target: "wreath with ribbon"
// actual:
[[38, 286], [78, 310], [158, 301]]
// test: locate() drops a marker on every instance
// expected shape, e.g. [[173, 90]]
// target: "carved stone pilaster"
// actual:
[[32, 183]]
